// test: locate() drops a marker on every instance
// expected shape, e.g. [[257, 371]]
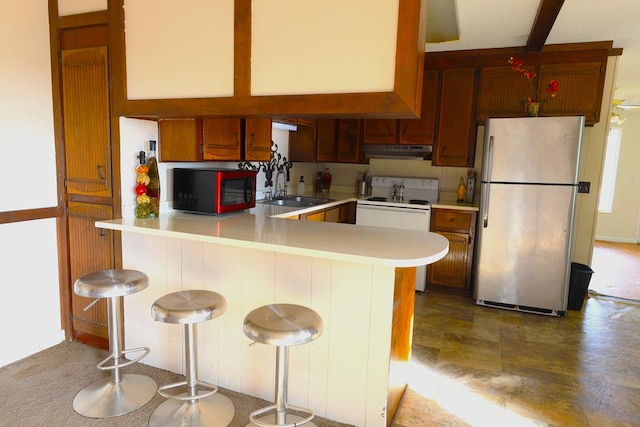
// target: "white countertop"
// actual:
[[347, 242]]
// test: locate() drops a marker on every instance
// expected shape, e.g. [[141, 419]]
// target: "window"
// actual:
[[610, 171]]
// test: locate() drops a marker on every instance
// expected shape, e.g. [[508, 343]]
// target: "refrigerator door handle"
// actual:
[[484, 204], [489, 169], [486, 187]]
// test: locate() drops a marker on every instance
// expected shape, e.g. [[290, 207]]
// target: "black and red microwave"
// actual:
[[213, 191]]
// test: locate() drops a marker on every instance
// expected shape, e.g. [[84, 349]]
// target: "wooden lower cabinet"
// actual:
[[345, 214], [454, 271]]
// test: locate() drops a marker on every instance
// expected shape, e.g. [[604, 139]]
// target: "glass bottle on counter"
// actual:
[[471, 185], [153, 189], [326, 180], [143, 203], [462, 190]]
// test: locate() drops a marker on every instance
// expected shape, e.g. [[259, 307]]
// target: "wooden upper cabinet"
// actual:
[[85, 98], [422, 131], [580, 90], [326, 140], [349, 140], [455, 144], [379, 131], [221, 139], [503, 93], [179, 140], [302, 144], [257, 142]]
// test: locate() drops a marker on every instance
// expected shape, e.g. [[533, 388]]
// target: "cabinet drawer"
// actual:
[[451, 220]]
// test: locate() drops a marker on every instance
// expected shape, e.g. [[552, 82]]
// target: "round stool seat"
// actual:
[[192, 306], [111, 283], [282, 325]]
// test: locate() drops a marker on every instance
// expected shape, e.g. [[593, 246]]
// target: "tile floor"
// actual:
[[483, 366]]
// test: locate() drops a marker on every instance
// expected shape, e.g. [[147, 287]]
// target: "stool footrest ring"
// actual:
[[117, 365], [161, 391], [253, 416]]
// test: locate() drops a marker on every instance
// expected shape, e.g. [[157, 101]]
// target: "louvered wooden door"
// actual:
[[89, 157], [86, 121]]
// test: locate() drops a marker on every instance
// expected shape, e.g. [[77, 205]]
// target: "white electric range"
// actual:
[[402, 203]]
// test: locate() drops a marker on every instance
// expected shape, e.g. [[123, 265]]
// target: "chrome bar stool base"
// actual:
[[290, 419], [120, 393], [214, 411], [103, 399]]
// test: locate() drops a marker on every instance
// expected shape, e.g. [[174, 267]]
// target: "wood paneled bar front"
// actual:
[[361, 280]]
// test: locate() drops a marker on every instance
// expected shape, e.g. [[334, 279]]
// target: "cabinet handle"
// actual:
[[235, 134], [253, 137], [100, 172]]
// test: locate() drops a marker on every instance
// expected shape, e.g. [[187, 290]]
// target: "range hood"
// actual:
[[397, 151]]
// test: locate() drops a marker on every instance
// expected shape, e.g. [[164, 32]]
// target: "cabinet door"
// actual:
[[349, 140], [221, 139], [257, 140], [423, 130], [580, 90], [332, 215], [379, 131], [179, 140], [302, 144], [91, 249], [452, 271], [455, 144], [326, 140], [87, 136], [502, 93]]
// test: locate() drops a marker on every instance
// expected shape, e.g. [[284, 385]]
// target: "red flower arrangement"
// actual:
[[552, 85]]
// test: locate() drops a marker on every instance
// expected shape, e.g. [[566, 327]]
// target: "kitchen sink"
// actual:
[[297, 201]]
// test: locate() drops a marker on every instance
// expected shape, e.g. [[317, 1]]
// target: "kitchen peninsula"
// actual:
[[359, 279]]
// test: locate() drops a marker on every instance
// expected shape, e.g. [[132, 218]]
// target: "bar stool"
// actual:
[[282, 325], [193, 408], [121, 393]]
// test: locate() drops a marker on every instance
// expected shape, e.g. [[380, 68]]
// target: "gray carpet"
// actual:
[[39, 390]]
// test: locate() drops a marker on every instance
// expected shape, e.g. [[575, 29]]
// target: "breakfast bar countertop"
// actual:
[[346, 242]]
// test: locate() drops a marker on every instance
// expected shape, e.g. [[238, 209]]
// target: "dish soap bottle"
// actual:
[[462, 190], [153, 189], [301, 186]]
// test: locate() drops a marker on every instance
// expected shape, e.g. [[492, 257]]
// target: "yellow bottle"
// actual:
[[462, 190]]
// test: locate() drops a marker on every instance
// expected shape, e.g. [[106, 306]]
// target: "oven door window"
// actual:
[[235, 191]]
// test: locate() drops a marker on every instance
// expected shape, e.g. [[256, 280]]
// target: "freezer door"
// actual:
[[523, 245], [532, 149]]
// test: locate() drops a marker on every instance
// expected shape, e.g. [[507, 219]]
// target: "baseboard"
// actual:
[[12, 353], [615, 239]]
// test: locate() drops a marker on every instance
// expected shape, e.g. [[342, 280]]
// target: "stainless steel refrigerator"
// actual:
[[528, 190]]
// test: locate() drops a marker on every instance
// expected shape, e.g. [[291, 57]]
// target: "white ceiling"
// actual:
[[499, 23]]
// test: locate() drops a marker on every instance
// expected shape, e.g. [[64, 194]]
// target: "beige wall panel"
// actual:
[[179, 49], [323, 46]]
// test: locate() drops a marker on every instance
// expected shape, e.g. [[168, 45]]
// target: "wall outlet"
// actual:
[[631, 178], [584, 187]]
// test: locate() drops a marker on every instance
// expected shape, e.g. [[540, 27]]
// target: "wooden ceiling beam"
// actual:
[[546, 17]]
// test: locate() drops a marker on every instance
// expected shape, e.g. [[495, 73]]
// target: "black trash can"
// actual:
[[578, 285]]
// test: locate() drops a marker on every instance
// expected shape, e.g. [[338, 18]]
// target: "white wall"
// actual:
[[30, 314], [621, 225]]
